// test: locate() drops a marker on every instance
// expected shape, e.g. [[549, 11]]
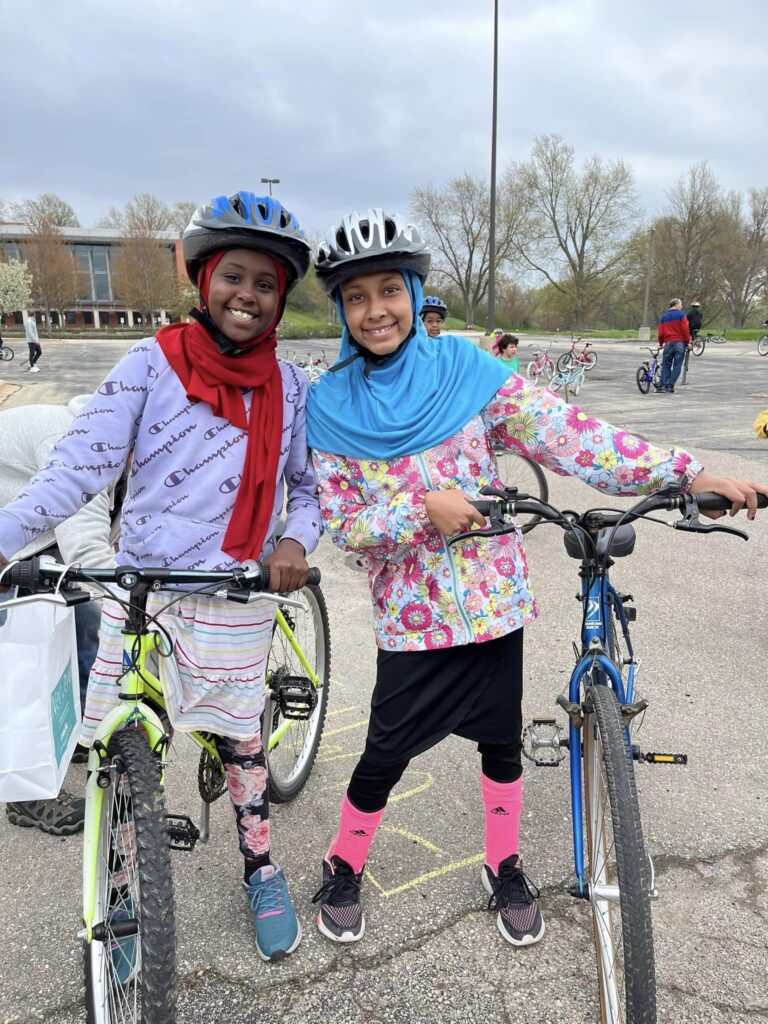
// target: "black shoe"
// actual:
[[80, 755], [60, 817], [341, 915], [514, 896]]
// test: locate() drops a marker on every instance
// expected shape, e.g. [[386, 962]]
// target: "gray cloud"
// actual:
[[352, 104]]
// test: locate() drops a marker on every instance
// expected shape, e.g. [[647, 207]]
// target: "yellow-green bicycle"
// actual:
[[128, 930]]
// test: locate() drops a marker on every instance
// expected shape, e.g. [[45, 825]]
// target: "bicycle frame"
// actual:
[[601, 601], [137, 683]]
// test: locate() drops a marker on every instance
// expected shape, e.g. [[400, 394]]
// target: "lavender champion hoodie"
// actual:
[[187, 465]]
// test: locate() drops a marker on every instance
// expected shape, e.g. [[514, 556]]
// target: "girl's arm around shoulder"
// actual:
[[356, 525], [539, 423], [303, 523]]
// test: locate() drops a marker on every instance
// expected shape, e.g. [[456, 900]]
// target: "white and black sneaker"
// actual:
[[341, 914], [514, 896]]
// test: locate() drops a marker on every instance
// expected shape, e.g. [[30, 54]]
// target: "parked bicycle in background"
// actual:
[[572, 359], [541, 365], [762, 344], [700, 341]]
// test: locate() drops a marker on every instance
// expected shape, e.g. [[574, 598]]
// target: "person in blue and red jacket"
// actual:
[[674, 337]]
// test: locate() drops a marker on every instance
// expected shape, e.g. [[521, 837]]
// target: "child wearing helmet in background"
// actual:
[[433, 314], [216, 425], [402, 434]]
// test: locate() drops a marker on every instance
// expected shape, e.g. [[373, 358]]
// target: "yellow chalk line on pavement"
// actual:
[[342, 711], [345, 728], [414, 838], [445, 870]]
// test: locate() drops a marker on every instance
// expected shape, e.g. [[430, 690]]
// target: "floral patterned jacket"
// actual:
[[427, 595]]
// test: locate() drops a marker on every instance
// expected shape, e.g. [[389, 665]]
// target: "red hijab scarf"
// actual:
[[209, 376]]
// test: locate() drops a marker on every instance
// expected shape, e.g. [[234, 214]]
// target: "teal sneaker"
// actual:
[[278, 932]]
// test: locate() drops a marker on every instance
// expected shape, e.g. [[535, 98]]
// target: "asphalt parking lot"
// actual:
[[431, 953]]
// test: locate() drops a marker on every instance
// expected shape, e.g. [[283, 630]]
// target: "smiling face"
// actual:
[[378, 310], [244, 296], [433, 323]]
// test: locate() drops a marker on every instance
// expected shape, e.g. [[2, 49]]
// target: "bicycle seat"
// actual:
[[623, 542]]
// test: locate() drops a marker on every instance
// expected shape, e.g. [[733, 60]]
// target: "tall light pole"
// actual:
[[645, 329], [492, 232], [270, 182]]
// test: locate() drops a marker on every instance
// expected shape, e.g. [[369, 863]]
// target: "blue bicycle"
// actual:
[[650, 372], [614, 874]]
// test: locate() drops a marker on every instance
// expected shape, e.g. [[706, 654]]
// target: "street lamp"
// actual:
[[270, 182], [492, 231], [644, 333]]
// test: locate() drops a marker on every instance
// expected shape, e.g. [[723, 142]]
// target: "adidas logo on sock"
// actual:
[[499, 810], [359, 832]]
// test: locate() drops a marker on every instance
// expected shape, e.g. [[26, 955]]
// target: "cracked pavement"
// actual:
[[431, 954]]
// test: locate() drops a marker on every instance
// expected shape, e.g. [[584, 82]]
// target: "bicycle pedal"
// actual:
[[182, 832], [672, 759], [543, 743], [296, 697]]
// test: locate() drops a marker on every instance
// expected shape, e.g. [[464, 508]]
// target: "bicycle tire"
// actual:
[[588, 360], [577, 383], [641, 377], [6, 354], [564, 363], [762, 346], [623, 932], [697, 346], [133, 844], [533, 372], [508, 467], [290, 761]]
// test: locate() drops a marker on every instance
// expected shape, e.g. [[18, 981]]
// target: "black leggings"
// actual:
[[371, 784], [35, 351]]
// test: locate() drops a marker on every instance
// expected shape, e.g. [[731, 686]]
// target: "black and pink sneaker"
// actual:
[[514, 896], [341, 914]]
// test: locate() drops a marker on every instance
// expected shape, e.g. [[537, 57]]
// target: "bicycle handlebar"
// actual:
[[34, 575]]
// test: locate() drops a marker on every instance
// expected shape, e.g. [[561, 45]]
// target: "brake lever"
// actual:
[[693, 524]]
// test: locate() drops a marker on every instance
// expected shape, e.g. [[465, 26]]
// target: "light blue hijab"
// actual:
[[421, 395]]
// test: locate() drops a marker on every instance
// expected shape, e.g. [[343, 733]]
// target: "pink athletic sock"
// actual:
[[355, 835], [503, 803]]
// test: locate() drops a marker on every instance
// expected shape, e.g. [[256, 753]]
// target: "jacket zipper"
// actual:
[[449, 556]]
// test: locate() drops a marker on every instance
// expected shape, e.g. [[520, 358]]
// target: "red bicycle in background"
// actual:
[[571, 359]]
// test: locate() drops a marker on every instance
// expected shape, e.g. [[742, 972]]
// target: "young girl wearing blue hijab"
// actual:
[[402, 430]]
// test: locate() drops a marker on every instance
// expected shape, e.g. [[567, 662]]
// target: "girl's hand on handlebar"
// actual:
[[740, 492], [288, 567], [451, 512]]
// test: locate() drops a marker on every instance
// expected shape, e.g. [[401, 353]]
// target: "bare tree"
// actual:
[[689, 242], [52, 264], [181, 214], [455, 221], [744, 253], [47, 210], [143, 273], [578, 222]]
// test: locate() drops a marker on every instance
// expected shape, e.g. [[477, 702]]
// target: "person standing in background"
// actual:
[[33, 340], [674, 336]]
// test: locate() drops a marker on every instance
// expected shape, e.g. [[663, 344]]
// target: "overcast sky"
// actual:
[[353, 104]]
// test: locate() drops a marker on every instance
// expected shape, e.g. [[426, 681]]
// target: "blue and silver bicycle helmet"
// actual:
[[368, 242], [246, 221], [432, 304]]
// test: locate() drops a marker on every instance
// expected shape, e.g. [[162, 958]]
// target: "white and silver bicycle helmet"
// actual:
[[367, 242]]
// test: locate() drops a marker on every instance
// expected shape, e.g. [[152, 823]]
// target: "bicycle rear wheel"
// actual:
[[528, 477], [619, 876], [130, 965], [293, 741], [589, 359], [762, 346]]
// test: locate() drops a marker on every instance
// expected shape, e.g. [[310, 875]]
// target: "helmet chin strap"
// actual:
[[225, 345], [371, 360]]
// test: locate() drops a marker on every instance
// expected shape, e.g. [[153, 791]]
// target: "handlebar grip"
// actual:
[[708, 501], [313, 577], [26, 575]]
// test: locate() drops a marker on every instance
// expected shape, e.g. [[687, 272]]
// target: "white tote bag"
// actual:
[[39, 700]]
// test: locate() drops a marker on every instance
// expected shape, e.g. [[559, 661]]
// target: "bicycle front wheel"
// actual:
[[565, 362], [6, 354], [293, 741], [762, 346], [697, 345], [528, 477], [130, 964], [619, 875], [642, 377]]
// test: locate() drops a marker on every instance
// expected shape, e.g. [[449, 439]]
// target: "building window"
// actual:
[[11, 251], [70, 318], [100, 264]]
